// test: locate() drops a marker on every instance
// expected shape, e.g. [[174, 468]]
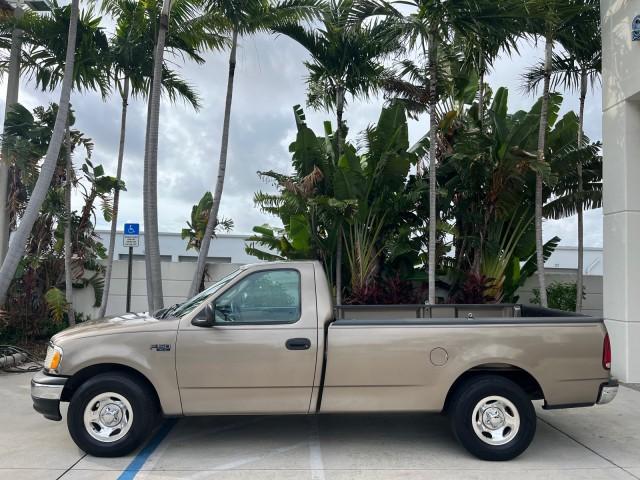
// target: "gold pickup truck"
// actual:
[[267, 339]]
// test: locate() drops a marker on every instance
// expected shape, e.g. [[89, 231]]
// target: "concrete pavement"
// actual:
[[590, 443]]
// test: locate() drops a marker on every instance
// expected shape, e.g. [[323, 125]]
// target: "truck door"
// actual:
[[260, 355]]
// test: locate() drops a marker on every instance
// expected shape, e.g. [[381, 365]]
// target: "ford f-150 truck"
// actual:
[[266, 339]]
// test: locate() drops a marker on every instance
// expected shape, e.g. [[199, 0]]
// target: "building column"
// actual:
[[622, 236], [621, 190]]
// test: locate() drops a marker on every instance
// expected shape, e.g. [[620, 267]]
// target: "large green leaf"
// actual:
[[57, 303], [307, 151], [300, 233], [530, 266]]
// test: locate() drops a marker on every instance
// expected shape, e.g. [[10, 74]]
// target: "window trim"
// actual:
[[275, 322]]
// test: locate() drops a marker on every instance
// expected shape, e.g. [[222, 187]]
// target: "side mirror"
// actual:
[[206, 318]]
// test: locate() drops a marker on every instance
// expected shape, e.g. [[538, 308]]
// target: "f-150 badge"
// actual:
[[161, 347]]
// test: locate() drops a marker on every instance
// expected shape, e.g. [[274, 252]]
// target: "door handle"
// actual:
[[298, 344]]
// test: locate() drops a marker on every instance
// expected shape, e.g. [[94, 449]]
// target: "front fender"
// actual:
[[152, 354]]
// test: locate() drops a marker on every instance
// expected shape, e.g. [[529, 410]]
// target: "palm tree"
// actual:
[[68, 244], [242, 18], [432, 26], [579, 66], [44, 58], [500, 35], [45, 63], [131, 50], [547, 19], [345, 59], [190, 16], [13, 87], [16, 248], [150, 194]]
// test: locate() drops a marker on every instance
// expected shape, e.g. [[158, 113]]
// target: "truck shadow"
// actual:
[[297, 445], [330, 435], [347, 426]]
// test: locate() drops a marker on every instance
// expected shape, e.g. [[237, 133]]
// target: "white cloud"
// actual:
[[269, 81]]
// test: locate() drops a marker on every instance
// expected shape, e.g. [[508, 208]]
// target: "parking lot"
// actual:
[[592, 443]]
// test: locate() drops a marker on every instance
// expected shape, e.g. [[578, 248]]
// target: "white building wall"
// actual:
[[567, 258], [621, 142], [176, 280], [223, 248], [591, 305], [226, 254]]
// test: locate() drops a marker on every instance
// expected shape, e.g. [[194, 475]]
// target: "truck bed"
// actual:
[[505, 313], [406, 357]]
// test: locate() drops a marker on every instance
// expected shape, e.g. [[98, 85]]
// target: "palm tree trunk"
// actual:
[[433, 182], [13, 87], [580, 279], [19, 240], [222, 168], [68, 250], [116, 200], [145, 214], [481, 92], [151, 229], [339, 254], [542, 136]]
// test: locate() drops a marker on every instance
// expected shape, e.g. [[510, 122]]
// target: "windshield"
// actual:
[[187, 307]]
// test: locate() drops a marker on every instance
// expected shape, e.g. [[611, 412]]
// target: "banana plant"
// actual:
[[364, 191], [196, 227]]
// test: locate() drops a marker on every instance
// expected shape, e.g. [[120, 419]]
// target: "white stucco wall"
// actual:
[[567, 258], [621, 141], [223, 248], [176, 280], [591, 305]]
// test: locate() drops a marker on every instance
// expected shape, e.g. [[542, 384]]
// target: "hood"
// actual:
[[127, 323]]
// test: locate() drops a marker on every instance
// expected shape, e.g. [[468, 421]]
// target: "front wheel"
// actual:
[[493, 418], [111, 414]]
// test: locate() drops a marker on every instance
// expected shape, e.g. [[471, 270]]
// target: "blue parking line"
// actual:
[[143, 455]]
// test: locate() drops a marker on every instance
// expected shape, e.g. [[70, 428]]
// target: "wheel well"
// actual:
[[74, 382], [521, 377]]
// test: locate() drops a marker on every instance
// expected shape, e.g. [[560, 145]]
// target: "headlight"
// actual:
[[53, 359]]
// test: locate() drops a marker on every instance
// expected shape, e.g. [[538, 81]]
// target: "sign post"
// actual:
[[131, 239]]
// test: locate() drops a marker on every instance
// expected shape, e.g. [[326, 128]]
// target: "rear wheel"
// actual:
[[111, 414], [493, 418]]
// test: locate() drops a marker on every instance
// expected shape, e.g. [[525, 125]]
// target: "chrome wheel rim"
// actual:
[[108, 417], [495, 420]]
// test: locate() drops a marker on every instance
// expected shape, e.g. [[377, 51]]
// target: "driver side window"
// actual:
[[271, 296]]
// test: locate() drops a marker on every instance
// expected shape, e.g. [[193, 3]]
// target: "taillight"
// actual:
[[606, 353]]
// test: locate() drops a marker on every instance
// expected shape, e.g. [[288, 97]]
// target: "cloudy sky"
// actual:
[[269, 81]]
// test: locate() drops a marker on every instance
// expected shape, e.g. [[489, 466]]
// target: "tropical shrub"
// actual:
[[476, 288], [561, 296], [486, 232], [363, 196], [36, 303], [488, 187], [388, 291]]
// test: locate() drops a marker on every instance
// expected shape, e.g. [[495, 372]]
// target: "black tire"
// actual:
[[143, 417], [464, 402]]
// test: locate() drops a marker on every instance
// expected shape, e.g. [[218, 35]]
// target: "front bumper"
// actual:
[[46, 392], [608, 392]]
